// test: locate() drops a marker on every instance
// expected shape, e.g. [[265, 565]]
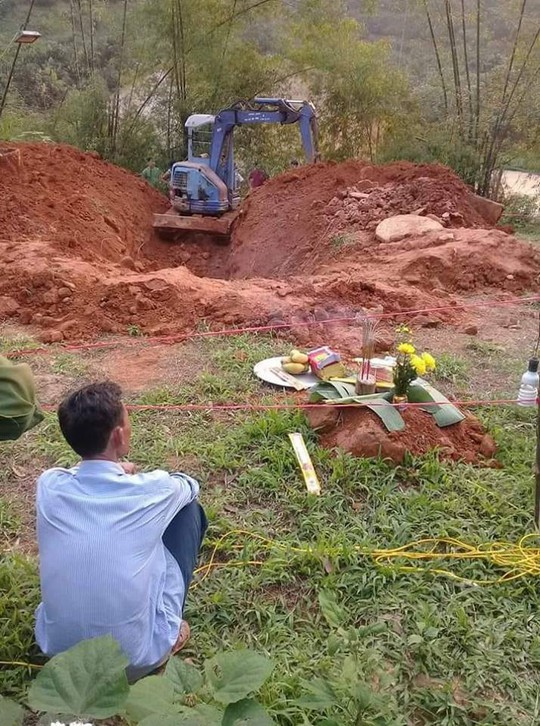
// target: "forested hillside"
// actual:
[[455, 80]]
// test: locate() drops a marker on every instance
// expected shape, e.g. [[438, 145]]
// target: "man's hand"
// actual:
[[128, 467]]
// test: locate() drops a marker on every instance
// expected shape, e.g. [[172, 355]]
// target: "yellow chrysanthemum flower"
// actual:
[[429, 360], [406, 348], [418, 365]]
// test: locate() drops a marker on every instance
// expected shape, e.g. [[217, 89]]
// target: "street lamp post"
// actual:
[[25, 37]]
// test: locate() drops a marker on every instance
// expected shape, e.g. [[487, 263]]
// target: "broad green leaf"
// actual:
[[330, 609], [445, 415], [188, 719], [87, 680], [338, 392], [388, 414], [212, 716], [11, 713], [320, 695], [234, 676], [184, 677], [151, 696], [246, 713]]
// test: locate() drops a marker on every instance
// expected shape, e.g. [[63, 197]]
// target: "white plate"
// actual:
[[263, 371]]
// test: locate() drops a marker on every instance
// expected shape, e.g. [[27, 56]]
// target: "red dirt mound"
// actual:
[[79, 256], [302, 213], [84, 207], [360, 432]]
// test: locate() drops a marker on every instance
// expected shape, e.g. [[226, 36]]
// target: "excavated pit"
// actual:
[[79, 256]]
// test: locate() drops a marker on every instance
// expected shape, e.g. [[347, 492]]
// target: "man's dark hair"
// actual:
[[88, 416]]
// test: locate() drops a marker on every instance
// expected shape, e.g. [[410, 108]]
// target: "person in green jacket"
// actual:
[[19, 410], [152, 174]]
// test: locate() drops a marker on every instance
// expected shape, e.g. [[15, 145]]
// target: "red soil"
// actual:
[[360, 432], [79, 256]]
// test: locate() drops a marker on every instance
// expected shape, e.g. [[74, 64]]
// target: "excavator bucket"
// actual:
[[172, 222]]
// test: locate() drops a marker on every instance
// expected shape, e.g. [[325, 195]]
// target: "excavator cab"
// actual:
[[204, 189]]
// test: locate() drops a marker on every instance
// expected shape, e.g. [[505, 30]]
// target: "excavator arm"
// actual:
[[260, 111]]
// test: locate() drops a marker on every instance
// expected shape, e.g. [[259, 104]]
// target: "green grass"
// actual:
[[399, 647]]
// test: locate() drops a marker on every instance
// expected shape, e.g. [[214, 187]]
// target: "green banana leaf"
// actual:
[[329, 393], [331, 390], [337, 392], [445, 415]]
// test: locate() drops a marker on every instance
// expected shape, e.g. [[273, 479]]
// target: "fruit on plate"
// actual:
[[297, 356], [295, 363], [295, 369]]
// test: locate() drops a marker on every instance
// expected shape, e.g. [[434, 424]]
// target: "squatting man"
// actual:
[[117, 548]]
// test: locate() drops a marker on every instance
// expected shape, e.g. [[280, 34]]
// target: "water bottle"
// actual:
[[528, 391]]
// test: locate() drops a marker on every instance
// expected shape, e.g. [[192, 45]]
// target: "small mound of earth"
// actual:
[[360, 432]]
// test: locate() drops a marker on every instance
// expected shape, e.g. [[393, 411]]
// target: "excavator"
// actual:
[[204, 190]]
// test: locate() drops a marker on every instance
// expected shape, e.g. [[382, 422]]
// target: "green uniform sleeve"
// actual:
[[19, 410]]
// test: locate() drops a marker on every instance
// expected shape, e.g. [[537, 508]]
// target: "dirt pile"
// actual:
[[360, 432], [81, 206], [79, 256], [286, 225]]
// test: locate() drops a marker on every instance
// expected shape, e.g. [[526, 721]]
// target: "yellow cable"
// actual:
[[519, 560]]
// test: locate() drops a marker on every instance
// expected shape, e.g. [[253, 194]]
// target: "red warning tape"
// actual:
[[266, 328], [301, 406]]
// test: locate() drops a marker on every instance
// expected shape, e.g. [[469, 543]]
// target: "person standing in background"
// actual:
[[257, 177], [152, 174]]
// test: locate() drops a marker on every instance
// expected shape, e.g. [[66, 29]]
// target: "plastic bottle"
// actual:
[[528, 391]]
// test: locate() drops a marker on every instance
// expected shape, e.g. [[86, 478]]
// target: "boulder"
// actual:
[[491, 211], [394, 229]]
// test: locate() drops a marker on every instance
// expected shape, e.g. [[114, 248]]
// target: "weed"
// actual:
[[339, 241], [135, 331], [451, 368], [70, 365]]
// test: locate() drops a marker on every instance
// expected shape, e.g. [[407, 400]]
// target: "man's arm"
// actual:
[[166, 494]]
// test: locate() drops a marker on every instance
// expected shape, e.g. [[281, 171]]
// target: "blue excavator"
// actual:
[[204, 191]]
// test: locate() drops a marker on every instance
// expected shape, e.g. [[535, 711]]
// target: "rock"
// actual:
[[155, 284], [358, 195], [277, 322], [434, 218], [64, 292], [420, 212], [491, 211], [68, 325], [365, 185], [8, 306], [471, 330], [323, 418], [52, 336], [488, 447], [51, 297], [510, 277], [401, 226], [205, 255], [445, 237], [139, 266], [25, 317], [424, 321], [128, 263]]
